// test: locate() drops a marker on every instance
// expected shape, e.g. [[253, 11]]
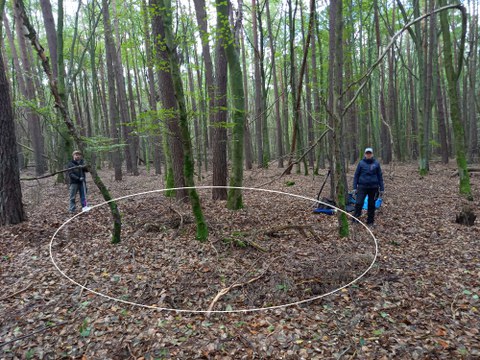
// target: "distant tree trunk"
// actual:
[[124, 113], [441, 117], [170, 106], [49, 22], [415, 152], [152, 98], [247, 134], [473, 109], [276, 94], [11, 206], [165, 17], [134, 141], [258, 88], [33, 120], [112, 99], [201, 14], [219, 132], [235, 199], [455, 109], [197, 115]]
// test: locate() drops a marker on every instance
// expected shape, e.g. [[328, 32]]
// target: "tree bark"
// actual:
[[219, 131], [165, 17], [112, 94], [455, 109], [33, 120], [11, 206]]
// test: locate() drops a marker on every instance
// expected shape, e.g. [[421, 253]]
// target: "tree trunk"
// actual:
[[165, 17], [247, 134], [335, 75], [175, 146], [201, 14], [33, 120], [112, 98], [455, 109], [11, 206], [258, 88], [276, 94], [152, 93], [49, 22], [219, 131]]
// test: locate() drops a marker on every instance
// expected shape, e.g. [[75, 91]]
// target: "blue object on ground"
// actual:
[[324, 211]]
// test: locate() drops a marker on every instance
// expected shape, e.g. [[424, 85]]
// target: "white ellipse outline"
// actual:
[[153, 307]]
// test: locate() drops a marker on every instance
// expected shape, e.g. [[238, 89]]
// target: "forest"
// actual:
[[210, 131]]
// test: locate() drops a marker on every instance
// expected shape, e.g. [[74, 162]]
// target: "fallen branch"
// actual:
[[16, 293], [470, 170], [300, 228], [32, 333], [52, 174], [227, 289]]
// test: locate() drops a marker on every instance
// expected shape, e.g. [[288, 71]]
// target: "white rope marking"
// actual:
[[153, 307]]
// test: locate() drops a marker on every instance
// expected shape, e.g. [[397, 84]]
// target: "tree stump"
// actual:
[[466, 216]]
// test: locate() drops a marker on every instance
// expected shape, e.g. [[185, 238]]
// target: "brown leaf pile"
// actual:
[[419, 300]]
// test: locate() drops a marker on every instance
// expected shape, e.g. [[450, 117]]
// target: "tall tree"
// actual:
[[259, 113], [219, 131], [235, 199], [165, 16], [453, 75], [113, 109], [33, 119], [336, 110], [174, 151], [276, 94], [11, 206]]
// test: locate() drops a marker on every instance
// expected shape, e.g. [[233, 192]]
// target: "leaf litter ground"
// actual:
[[420, 299]]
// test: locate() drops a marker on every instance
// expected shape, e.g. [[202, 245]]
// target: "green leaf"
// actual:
[[290, 183], [362, 341], [378, 332], [467, 292]]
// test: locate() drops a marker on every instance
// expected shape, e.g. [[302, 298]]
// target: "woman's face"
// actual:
[[368, 155]]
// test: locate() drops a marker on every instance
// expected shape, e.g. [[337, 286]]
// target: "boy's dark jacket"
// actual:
[[368, 174], [74, 175]]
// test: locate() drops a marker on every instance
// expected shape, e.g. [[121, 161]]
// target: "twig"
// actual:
[[16, 293], [32, 333], [452, 306], [52, 174], [227, 289], [289, 167], [181, 221]]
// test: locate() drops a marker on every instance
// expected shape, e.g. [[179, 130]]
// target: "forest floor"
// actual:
[[74, 295]]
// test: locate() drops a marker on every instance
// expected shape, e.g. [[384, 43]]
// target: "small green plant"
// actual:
[[84, 329], [290, 183], [30, 354]]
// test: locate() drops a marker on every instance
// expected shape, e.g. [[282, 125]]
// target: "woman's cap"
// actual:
[[368, 150], [76, 152]]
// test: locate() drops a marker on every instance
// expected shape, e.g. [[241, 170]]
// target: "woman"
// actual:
[[367, 181]]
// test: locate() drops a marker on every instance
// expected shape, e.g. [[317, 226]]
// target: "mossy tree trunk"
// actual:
[[59, 104], [235, 79], [165, 13], [453, 93]]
